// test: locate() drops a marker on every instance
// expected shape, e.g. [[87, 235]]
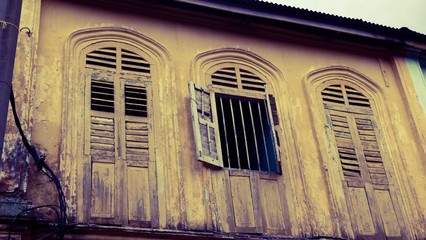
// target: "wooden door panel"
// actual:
[[103, 190], [272, 205], [242, 202], [387, 212], [139, 197], [361, 211]]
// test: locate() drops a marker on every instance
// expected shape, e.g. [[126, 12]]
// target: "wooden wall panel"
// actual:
[[103, 178], [387, 212], [139, 198], [242, 202], [272, 206], [362, 212]]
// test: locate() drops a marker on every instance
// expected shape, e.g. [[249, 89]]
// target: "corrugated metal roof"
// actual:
[[306, 17], [323, 13]]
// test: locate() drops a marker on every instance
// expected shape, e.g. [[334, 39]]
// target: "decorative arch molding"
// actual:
[[73, 101], [205, 62]]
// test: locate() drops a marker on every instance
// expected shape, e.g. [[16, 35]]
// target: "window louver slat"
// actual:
[[238, 79], [102, 133], [329, 92], [129, 54], [104, 58], [345, 146], [250, 81], [224, 84], [101, 57], [333, 95], [102, 96], [253, 87], [226, 78], [137, 140], [136, 101], [356, 102], [335, 88], [134, 63], [231, 76], [335, 100], [100, 61], [136, 68], [356, 98], [371, 150]]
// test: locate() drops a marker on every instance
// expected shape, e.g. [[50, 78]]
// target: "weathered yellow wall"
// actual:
[[22, 85], [183, 181]]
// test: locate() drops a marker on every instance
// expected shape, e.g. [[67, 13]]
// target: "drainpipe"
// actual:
[[10, 14]]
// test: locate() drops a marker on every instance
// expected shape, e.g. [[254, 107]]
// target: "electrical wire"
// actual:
[[53, 207], [39, 161]]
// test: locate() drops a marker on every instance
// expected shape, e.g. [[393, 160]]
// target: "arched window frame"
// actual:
[[73, 156], [377, 219], [247, 194], [206, 70]]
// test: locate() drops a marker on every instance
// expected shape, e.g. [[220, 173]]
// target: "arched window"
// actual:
[[358, 163], [236, 128], [233, 119], [118, 120], [351, 118]]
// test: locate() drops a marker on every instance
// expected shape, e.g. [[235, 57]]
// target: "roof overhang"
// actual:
[[265, 15]]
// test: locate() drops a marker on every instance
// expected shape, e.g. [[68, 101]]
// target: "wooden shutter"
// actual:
[[371, 201], [136, 125], [139, 167], [102, 145], [350, 115], [206, 132], [120, 180], [345, 145], [274, 123]]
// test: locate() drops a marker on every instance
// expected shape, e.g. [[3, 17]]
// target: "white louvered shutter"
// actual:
[[205, 128]]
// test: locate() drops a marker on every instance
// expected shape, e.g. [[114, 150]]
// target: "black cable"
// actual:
[[31, 149], [43, 167], [53, 207]]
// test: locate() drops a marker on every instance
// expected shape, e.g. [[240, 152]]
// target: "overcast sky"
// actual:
[[393, 13]]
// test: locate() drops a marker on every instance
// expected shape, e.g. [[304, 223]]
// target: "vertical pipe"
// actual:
[[10, 14]]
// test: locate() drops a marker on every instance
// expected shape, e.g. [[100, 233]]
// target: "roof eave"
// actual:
[[368, 30]]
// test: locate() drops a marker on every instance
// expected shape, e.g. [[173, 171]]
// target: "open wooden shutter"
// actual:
[[206, 132], [274, 122]]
